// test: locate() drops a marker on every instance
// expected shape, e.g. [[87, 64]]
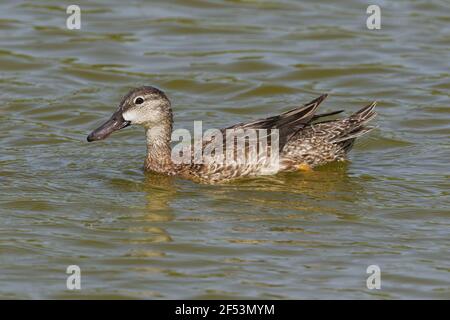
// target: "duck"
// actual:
[[303, 139]]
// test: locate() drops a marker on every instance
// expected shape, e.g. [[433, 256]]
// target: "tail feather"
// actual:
[[365, 114], [354, 126], [346, 145], [354, 134]]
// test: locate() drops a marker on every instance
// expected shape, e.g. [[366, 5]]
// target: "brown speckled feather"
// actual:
[[305, 139], [323, 142]]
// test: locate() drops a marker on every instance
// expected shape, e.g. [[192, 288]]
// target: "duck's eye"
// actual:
[[138, 100]]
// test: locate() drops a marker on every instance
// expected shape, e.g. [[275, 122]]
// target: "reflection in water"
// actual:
[[281, 198], [160, 190], [327, 183], [328, 190]]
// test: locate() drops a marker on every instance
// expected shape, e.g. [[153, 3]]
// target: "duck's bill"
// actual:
[[115, 123]]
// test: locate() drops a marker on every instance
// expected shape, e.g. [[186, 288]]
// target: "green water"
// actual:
[[135, 235]]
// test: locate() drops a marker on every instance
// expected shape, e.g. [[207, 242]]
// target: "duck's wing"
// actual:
[[287, 122]]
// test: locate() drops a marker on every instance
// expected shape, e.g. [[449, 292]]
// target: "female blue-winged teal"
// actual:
[[303, 141]]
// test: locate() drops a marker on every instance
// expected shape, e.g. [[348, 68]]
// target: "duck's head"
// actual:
[[146, 106]]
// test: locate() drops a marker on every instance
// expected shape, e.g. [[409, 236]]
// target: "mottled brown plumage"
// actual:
[[305, 140]]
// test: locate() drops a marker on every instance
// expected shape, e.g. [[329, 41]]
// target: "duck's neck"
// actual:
[[158, 148]]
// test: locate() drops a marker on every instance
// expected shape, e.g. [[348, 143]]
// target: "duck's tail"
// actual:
[[355, 126]]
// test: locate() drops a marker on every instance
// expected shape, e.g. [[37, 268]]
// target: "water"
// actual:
[[135, 235]]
